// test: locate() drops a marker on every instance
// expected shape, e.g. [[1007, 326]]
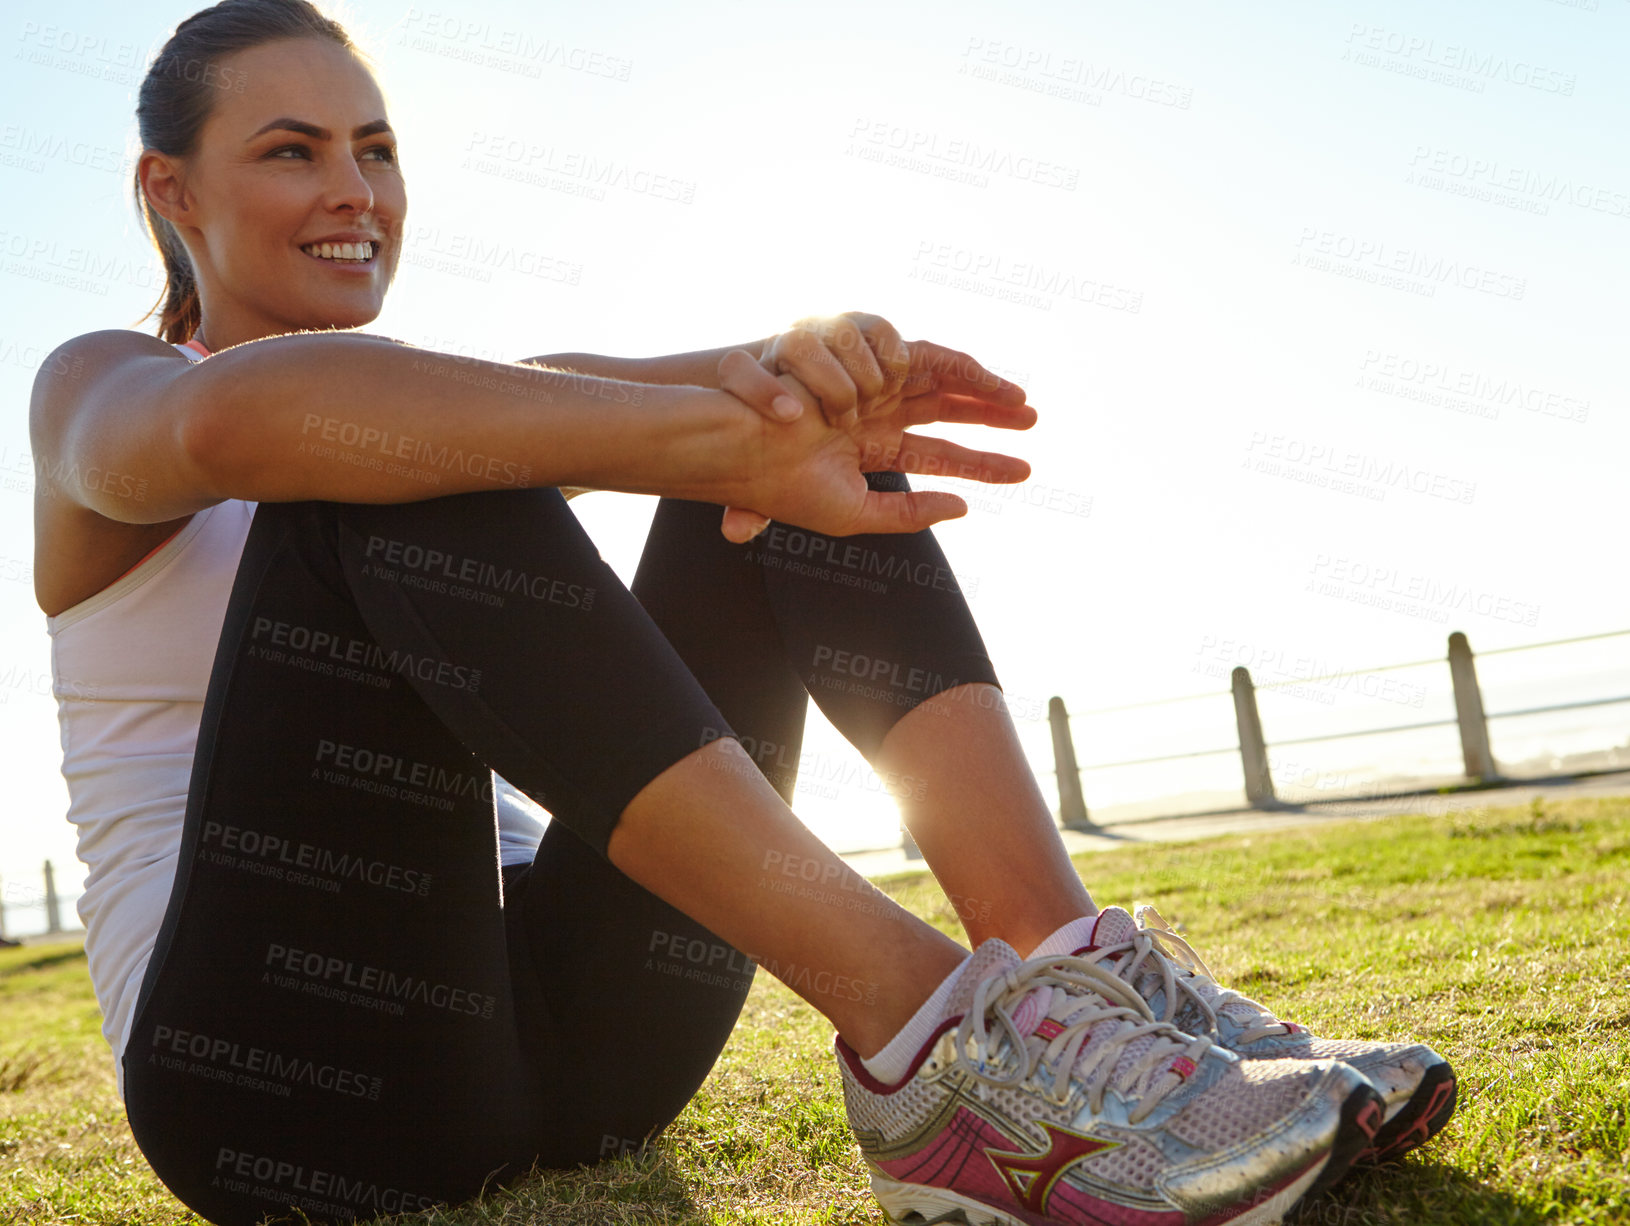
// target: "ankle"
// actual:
[[893, 1059], [874, 1029]]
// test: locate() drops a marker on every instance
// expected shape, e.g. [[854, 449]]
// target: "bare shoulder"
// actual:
[[107, 346], [76, 371], [87, 389]]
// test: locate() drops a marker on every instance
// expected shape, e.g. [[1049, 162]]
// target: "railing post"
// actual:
[[1253, 751], [1072, 805], [53, 914], [1474, 729]]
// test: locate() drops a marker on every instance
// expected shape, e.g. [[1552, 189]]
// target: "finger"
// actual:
[[853, 350], [970, 410], [911, 511], [893, 358], [890, 350], [934, 365], [803, 354], [743, 377], [942, 458], [741, 526]]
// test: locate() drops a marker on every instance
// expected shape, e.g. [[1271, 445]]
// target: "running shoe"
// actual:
[[1416, 1084], [1050, 1094]]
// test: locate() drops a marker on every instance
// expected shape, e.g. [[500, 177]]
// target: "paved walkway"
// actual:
[[1241, 821], [51, 938]]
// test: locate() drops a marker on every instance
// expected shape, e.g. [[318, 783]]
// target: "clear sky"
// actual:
[[1321, 307]]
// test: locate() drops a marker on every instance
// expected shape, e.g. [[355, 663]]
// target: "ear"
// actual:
[[162, 183]]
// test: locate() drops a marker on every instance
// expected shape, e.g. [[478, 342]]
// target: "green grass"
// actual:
[[1500, 936]]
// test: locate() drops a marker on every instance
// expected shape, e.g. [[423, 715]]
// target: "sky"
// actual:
[[1320, 306]]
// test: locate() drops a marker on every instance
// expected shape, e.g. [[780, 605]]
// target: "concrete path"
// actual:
[[1235, 821], [1241, 821]]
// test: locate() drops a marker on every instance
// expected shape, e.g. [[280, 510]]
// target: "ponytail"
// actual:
[[179, 310]]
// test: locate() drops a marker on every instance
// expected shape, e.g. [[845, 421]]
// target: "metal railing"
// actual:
[[1470, 717], [1250, 743]]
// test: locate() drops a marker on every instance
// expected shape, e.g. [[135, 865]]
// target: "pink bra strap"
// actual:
[[153, 550]]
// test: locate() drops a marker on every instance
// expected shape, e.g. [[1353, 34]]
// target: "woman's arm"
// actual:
[[852, 364], [125, 426], [350, 417], [698, 369], [809, 351]]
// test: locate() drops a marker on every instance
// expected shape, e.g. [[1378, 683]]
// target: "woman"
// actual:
[[326, 585]]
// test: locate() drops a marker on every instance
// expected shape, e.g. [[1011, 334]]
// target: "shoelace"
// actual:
[[1103, 997], [1149, 945]]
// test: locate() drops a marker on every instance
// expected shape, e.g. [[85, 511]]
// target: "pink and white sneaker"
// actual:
[[1051, 1095], [1417, 1084]]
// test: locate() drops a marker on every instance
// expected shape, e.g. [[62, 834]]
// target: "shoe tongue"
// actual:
[[991, 958], [1043, 1011], [1041, 1015], [1032, 1009], [1114, 926], [1121, 927]]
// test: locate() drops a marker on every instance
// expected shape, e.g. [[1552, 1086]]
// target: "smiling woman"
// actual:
[[274, 166], [349, 637]]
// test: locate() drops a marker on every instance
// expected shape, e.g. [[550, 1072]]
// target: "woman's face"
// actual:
[[302, 156]]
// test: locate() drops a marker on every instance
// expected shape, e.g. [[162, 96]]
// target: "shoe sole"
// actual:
[[1359, 1132], [1420, 1119], [909, 1204]]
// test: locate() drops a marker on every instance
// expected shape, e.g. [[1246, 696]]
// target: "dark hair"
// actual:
[[176, 98]]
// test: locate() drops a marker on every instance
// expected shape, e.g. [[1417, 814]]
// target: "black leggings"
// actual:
[[350, 1008]]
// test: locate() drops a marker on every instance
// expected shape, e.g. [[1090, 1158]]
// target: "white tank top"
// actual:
[[129, 669]]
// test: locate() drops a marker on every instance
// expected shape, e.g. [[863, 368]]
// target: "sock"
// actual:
[[894, 1061], [1067, 939]]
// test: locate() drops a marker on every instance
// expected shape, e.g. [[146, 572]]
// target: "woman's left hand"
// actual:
[[855, 366], [811, 474]]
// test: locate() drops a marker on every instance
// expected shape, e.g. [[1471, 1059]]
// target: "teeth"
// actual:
[[341, 251]]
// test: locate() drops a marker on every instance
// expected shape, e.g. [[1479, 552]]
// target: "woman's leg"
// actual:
[[581, 721], [294, 957], [625, 1002], [590, 943], [1010, 877], [879, 631], [600, 945], [326, 1020]]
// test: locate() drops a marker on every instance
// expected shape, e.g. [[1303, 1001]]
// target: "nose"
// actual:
[[347, 187]]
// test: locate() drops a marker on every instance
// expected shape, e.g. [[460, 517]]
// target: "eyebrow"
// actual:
[[317, 133]]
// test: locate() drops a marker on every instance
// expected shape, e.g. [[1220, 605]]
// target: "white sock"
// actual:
[[894, 1061], [1067, 939]]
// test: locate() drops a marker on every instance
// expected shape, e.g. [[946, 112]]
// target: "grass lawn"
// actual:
[[1500, 936]]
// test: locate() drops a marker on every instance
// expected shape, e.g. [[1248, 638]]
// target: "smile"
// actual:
[[343, 253]]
